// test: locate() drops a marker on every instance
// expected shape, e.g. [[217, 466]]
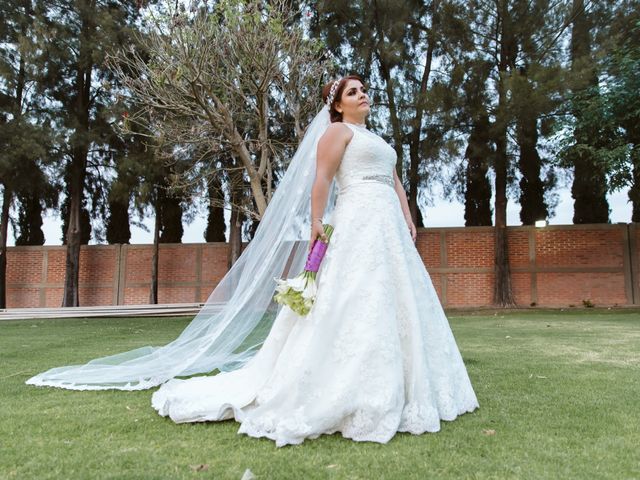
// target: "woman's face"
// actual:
[[354, 102]]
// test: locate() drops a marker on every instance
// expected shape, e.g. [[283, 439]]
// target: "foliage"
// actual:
[[219, 93], [214, 80]]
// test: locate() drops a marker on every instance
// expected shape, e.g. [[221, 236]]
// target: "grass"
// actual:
[[559, 397]]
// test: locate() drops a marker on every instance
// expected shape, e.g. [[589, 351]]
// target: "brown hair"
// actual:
[[335, 115]]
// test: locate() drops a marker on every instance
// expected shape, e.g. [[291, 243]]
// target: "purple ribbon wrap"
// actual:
[[315, 256]]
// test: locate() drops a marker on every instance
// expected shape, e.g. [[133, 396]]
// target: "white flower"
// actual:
[[296, 283], [310, 290]]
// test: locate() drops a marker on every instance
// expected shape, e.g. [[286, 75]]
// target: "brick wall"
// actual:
[[552, 266]]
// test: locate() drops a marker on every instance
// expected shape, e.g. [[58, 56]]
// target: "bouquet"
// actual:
[[299, 293]]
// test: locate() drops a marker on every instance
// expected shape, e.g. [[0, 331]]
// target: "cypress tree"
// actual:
[[477, 194], [589, 188], [532, 202], [171, 219], [216, 227], [118, 229], [30, 220]]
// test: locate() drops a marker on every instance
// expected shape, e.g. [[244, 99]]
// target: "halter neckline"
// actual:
[[361, 125]]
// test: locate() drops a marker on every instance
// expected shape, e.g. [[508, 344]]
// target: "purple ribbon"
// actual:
[[315, 256]]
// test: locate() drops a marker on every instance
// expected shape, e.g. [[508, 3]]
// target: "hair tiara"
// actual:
[[332, 92]]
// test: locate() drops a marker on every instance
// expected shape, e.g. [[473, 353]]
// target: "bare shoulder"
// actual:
[[337, 131]]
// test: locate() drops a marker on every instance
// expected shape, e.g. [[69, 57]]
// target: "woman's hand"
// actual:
[[412, 227], [317, 231]]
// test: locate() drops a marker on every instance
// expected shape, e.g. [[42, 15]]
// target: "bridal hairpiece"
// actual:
[[332, 93]]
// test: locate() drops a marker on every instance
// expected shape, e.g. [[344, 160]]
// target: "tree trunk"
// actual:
[[255, 177], [4, 223], [235, 235], [414, 138], [393, 111], [502, 295], [237, 184], [72, 271], [7, 193], [153, 293], [80, 142]]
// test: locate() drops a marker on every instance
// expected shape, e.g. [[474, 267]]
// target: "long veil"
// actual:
[[237, 316]]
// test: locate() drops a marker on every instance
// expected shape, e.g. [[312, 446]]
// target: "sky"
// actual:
[[441, 214]]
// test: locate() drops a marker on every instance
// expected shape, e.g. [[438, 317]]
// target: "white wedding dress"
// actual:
[[374, 356]]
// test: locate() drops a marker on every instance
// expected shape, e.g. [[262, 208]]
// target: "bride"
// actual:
[[374, 356]]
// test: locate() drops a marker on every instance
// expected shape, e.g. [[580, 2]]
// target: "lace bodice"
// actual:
[[366, 158]]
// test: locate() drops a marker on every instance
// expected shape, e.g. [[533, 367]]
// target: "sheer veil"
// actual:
[[232, 325]]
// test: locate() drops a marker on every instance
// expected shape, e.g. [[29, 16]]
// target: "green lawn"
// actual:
[[559, 398]]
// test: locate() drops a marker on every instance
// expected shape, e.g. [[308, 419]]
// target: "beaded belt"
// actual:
[[386, 179], [381, 178]]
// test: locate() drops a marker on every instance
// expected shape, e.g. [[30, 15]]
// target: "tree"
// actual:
[[171, 218], [142, 181], [75, 37], [118, 228], [503, 294], [216, 227], [621, 47], [24, 135], [625, 102], [394, 46], [477, 205], [469, 115], [212, 82], [589, 187], [32, 202], [520, 40]]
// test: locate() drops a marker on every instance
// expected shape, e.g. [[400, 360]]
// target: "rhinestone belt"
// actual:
[[384, 179], [381, 178]]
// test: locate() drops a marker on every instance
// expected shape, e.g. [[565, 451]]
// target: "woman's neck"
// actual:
[[354, 121]]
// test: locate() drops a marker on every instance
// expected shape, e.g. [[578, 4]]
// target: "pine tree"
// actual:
[[24, 136], [621, 39], [76, 36], [392, 45], [509, 36]]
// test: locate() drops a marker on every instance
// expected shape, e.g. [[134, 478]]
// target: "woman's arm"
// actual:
[[331, 147], [404, 204]]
